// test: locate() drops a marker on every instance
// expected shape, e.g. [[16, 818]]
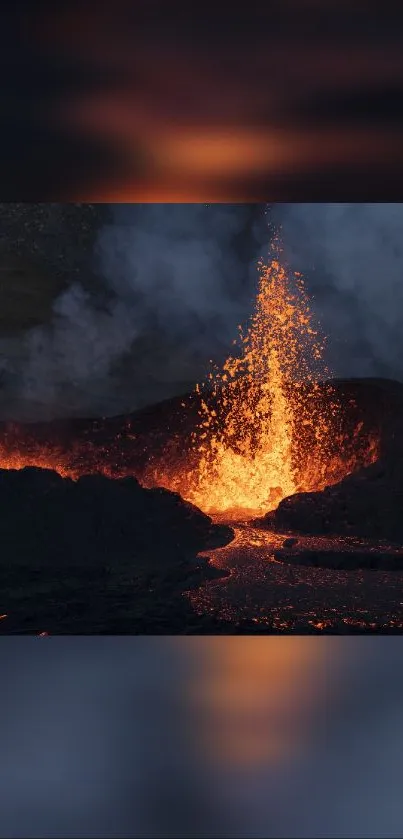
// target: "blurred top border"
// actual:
[[148, 101]]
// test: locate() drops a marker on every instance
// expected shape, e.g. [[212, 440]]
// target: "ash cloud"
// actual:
[[174, 282], [72, 357], [176, 265], [352, 258]]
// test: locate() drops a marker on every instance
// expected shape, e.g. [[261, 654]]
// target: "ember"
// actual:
[[266, 426], [265, 430], [43, 459]]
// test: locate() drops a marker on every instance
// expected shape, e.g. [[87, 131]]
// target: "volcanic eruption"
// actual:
[[267, 425], [270, 423], [268, 447]]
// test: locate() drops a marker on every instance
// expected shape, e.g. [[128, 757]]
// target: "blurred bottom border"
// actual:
[[201, 737]]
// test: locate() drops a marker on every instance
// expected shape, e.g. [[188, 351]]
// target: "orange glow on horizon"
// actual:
[[254, 697]]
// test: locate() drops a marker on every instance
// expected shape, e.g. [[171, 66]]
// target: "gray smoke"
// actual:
[[77, 350], [174, 284], [176, 265], [174, 280], [352, 257]]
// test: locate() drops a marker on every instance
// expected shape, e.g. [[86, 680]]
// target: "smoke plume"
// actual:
[[352, 258], [174, 283]]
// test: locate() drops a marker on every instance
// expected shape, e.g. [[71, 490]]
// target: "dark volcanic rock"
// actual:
[[163, 431], [290, 542], [343, 560], [75, 554], [109, 556], [368, 503]]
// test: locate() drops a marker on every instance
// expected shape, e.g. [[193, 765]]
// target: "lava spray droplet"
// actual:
[[265, 430]]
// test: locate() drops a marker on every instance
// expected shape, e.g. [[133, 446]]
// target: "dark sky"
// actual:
[[291, 100], [126, 304], [107, 308]]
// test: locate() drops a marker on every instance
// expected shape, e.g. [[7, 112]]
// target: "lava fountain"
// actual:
[[269, 424], [265, 426]]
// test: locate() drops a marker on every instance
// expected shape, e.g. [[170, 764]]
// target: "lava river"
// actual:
[[272, 595], [268, 427], [270, 432]]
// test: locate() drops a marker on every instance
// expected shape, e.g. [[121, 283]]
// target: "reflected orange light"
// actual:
[[225, 165], [255, 697], [222, 152]]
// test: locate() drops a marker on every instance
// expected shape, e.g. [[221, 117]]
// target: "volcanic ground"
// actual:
[[108, 553]]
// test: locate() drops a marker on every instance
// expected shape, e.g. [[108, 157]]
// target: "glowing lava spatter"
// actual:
[[268, 426], [265, 430]]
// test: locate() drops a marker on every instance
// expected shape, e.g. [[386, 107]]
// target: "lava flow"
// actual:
[[267, 428]]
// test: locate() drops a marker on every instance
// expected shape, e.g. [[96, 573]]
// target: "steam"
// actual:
[[78, 349], [352, 257], [175, 264], [174, 287], [175, 281]]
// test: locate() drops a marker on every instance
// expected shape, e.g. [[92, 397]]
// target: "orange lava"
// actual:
[[267, 428], [42, 459]]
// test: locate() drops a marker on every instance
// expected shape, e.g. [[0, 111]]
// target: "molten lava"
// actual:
[[45, 459], [267, 426], [267, 429]]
